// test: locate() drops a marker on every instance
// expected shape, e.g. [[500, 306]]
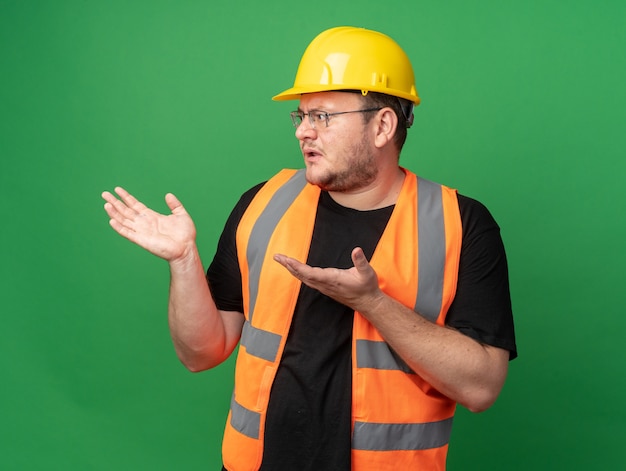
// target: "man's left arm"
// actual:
[[458, 366]]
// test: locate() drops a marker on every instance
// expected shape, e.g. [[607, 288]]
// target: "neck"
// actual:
[[381, 193]]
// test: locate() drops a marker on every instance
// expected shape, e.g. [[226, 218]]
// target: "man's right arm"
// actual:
[[203, 335]]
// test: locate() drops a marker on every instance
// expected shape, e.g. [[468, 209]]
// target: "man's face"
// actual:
[[339, 157]]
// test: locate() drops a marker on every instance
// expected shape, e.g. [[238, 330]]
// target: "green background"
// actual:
[[523, 108]]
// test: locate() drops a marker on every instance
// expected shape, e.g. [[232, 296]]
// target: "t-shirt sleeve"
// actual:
[[482, 305], [223, 274]]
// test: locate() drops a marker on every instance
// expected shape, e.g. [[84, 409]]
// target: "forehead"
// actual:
[[329, 100]]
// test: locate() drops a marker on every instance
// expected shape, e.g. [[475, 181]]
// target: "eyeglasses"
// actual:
[[318, 117]]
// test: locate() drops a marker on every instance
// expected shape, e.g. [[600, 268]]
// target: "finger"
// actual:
[[109, 206], [130, 200], [107, 196], [113, 205], [291, 264], [110, 210], [359, 260], [284, 261], [118, 210]]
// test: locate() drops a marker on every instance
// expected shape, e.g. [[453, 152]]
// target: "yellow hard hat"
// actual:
[[348, 58]]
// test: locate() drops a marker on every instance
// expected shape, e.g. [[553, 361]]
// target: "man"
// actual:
[[367, 301]]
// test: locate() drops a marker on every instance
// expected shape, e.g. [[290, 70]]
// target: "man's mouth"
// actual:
[[310, 153]]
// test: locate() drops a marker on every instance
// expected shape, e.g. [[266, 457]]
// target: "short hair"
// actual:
[[401, 107]]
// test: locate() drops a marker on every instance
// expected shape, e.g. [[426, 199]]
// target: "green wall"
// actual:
[[523, 108]]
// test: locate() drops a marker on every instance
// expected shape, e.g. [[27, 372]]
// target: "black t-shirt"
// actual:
[[308, 420]]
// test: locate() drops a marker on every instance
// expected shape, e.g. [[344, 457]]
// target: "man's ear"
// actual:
[[387, 123]]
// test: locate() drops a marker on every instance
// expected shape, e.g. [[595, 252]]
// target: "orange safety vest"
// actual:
[[399, 421]]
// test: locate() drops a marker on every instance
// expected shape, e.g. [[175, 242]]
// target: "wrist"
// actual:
[[187, 260], [373, 304]]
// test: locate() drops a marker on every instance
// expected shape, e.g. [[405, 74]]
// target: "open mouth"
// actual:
[[311, 154]]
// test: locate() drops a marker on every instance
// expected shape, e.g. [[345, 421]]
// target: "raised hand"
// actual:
[[170, 237], [356, 287]]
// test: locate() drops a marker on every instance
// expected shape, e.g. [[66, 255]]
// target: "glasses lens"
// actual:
[[297, 117], [319, 118]]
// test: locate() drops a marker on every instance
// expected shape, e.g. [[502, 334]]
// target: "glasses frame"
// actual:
[[320, 116]]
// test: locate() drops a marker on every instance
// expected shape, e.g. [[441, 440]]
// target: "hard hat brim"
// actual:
[[295, 93]]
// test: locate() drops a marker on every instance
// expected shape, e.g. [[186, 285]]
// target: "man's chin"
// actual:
[[314, 178]]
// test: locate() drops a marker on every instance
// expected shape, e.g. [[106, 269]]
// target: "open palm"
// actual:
[[167, 236]]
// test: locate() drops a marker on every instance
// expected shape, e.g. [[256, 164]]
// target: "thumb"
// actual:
[[359, 260], [174, 204]]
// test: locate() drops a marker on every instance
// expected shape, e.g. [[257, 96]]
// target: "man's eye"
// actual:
[[320, 116]]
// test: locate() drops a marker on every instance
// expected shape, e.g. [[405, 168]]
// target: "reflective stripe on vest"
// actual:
[[260, 343], [264, 228], [388, 437], [432, 249], [424, 426], [379, 356], [245, 421]]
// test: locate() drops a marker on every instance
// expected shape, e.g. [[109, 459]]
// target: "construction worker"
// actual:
[[367, 301]]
